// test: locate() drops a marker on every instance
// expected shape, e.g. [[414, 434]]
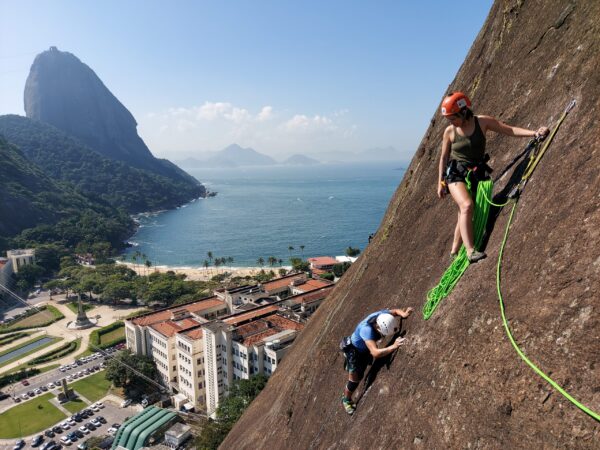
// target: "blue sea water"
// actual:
[[262, 211]]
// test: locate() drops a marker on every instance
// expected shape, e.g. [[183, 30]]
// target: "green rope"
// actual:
[[499, 205], [452, 275], [512, 340]]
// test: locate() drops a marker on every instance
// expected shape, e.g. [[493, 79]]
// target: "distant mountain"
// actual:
[[65, 158], [64, 92], [229, 157], [300, 160]]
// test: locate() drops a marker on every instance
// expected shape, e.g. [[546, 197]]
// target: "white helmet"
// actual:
[[387, 324]]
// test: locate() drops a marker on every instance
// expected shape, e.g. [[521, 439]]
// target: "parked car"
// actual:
[[84, 430], [37, 440], [44, 388], [37, 391], [65, 426], [24, 396], [100, 419], [49, 433], [116, 425], [17, 399], [57, 429], [4, 395], [55, 447], [78, 433], [47, 445], [111, 430], [65, 440], [91, 426], [99, 404], [126, 403], [96, 423], [20, 443], [25, 382], [51, 385], [82, 446]]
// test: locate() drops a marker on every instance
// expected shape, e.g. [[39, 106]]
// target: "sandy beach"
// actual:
[[201, 273]]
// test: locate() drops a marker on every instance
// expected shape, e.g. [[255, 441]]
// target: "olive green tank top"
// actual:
[[469, 148]]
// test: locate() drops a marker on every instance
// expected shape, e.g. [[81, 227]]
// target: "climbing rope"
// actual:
[[536, 369], [461, 262]]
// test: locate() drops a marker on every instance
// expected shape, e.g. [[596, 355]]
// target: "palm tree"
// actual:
[[302, 250], [217, 263], [272, 260], [230, 259], [144, 258], [148, 264], [280, 261], [210, 256], [291, 249], [260, 261]]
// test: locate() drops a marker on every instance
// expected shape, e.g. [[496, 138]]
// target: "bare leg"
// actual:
[[457, 242], [465, 221]]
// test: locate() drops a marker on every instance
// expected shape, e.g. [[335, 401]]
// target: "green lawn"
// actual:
[[74, 405], [33, 350], [113, 335], [27, 366], [30, 417], [45, 317], [93, 387]]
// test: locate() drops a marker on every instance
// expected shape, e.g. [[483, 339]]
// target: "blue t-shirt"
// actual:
[[365, 331]]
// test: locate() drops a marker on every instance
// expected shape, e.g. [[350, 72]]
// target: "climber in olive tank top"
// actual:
[[463, 151]]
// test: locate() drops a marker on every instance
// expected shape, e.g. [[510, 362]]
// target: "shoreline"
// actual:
[[200, 273]]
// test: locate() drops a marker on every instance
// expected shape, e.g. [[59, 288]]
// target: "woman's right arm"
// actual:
[[444, 156]]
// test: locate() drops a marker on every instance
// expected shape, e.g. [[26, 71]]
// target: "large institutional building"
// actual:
[[202, 347]]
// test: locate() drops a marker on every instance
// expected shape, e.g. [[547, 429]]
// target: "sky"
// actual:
[[282, 77]]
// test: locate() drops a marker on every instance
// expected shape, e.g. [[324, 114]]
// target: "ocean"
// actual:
[[262, 211]]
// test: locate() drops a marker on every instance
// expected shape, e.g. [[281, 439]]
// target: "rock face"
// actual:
[[64, 92], [459, 383]]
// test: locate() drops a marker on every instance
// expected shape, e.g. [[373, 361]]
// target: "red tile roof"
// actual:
[[281, 282], [254, 332], [322, 261], [313, 284], [312, 295], [194, 334], [165, 314], [170, 327], [258, 312]]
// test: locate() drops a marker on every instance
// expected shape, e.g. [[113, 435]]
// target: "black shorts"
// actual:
[[357, 361], [457, 171]]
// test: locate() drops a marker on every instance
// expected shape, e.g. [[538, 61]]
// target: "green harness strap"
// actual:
[[461, 262]]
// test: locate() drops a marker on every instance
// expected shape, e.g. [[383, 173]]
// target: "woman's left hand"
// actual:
[[542, 132]]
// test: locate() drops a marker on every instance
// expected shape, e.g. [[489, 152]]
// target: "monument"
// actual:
[[82, 322]]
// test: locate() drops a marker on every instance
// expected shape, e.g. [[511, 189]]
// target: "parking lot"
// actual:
[[111, 412], [45, 381]]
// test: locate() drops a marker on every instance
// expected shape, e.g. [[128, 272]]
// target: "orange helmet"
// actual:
[[454, 103]]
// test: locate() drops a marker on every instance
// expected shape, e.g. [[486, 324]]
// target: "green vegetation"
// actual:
[[119, 373], [327, 276], [112, 182], [7, 339], [26, 368], [351, 251], [300, 265], [93, 387], [73, 306], [107, 336], [45, 211], [8, 361], [30, 417], [58, 353], [229, 411], [341, 268], [35, 318], [75, 405]]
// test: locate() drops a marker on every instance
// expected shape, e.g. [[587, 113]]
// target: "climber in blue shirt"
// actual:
[[361, 347]]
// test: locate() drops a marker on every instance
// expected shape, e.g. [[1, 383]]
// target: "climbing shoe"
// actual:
[[452, 257], [348, 405], [476, 256]]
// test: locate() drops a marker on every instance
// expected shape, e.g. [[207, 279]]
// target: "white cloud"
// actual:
[[213, 125]]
